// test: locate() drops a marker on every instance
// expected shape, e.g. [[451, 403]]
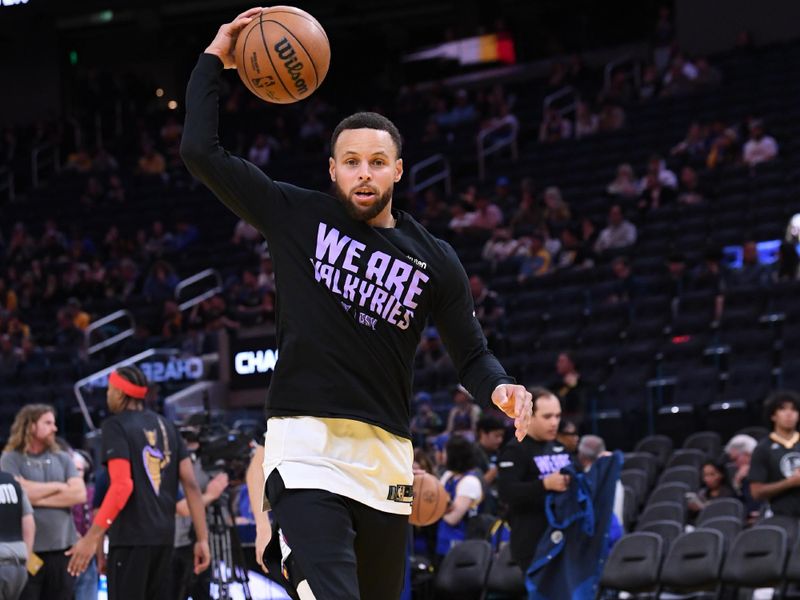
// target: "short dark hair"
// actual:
[[461, 454], [540, 392], [489, 423], [368, 120], [777, 399]]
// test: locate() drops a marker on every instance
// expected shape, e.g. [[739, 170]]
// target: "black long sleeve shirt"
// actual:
[[352, 299]]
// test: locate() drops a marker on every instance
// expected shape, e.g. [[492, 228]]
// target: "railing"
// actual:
[[443, 174], [7, 182], [570, 96], [636, 70], [206, 274], [118, 337], [45, 155], [496, 143], [81, 383]]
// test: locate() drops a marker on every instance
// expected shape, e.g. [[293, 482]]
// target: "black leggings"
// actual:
[[345, 549], [137, 572]]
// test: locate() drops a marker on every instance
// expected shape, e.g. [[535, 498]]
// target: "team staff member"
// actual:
[[356, 283], [775, 465], [529, 469], [17, 530], [53, 486], [145, 457]]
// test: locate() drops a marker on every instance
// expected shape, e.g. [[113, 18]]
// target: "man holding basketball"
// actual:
[[356, 284]]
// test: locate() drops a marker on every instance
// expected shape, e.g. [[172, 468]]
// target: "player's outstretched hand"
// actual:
[[224, 43], [516, 402]]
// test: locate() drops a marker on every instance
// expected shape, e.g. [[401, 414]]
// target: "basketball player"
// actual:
[[356, 284], [145, 458]]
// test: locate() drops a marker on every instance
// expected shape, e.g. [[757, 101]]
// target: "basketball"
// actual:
[[283, 55], [430, 500]]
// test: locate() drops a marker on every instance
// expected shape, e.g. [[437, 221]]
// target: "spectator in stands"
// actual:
[[53, 486], [261, 150], [677, 274], [86, 584], [774, 470], [528, 471], [463, 417], [463, 111], [557, 213], [690, 190], [574, 252], [9, 358], [461, 220], [657, 168], [554, 127], [8, 297], [760, 147], [589, 450], [619, 91], [708, 77], [650, 86], [489, 309], [752, 273], [67, 336], [739, 451], [568, 435], [503, 197], [570, 387], [425, 423], [611, 118], [432, 357], [724, 149], [79, 161], [115, 192], [491, 433], [435, 214], [586, 122], [486, 216], [151, 163], [244, 233], [103, 162], [693, 148], [679, 79], [462, 482], [16, 329], [80, 318], [93, 194], [626, 288], [160, 283], [502, 248], [714, 485], [159, 242], [654, 195], [624, 184], [529, 215], [788, 263], [171, 320], [31, 357], [537, 261], [619, 233]]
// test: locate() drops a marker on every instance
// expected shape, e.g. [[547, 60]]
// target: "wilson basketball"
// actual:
[[430, 500], [283, 55]]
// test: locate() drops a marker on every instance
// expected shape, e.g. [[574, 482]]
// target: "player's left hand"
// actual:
[[80, 555], [202, 556], [516, 402]]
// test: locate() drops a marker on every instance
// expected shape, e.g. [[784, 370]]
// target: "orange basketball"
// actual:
[[283, 55], [430, 500]]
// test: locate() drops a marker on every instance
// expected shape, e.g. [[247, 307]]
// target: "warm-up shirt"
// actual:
[[772, 462], [352, 299], [522, 467]]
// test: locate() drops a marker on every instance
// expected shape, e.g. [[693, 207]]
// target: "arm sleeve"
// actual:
[[118, 492], [758, 465], [115, 443], [514, 483], [239, 184], [454, 314]]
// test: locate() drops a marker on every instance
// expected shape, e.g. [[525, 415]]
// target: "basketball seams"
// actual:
[[308, 54], [243, 62], [269, 56], [308, 18]]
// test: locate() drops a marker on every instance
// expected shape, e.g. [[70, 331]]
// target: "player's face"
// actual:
[[363, 170], [114, 399], [786, 417], [545, 419]]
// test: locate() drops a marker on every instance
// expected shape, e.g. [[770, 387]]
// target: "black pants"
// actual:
[[52, 582], [137, 572], [345, 549], [182, 580]]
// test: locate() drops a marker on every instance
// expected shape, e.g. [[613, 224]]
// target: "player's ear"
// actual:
[[398, 169], [332, 168]]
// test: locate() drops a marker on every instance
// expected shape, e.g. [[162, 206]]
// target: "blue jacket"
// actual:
[[573, 549]]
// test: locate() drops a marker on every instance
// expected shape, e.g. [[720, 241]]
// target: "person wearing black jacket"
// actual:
[[355, 282], [529, 469]]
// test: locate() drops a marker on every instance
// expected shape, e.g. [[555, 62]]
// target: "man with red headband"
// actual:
[[146, 457]]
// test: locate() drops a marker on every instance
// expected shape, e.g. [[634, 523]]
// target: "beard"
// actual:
[[358, 213]]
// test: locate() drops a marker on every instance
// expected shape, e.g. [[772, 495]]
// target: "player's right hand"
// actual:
[[556, 482], [224, 43], [263, 536]]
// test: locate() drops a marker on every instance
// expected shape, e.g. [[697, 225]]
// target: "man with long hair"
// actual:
[[53, 486], [145, 457]]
